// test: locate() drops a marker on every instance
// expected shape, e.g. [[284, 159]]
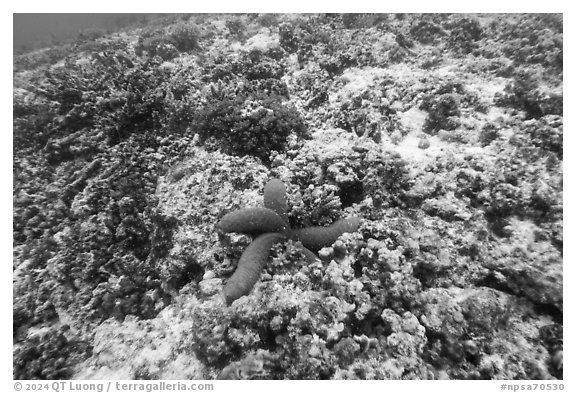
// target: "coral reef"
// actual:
[[253, 125], [444, 132]]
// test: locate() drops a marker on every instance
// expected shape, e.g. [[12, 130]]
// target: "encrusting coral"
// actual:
[[271, 223]]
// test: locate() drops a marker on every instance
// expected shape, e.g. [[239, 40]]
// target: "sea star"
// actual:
[[271, 223]]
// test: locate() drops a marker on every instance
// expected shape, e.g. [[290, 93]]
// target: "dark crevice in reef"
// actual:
[[426, 274], [351, 193], [559, 244], [554, 312], [490, 281], [268, 338], [497, 224], [357, 266], [190, 272], [371, 325]]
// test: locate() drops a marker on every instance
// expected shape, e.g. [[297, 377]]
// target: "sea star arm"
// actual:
[[315, 238], [253, 219], [275, 198], [250, 266]]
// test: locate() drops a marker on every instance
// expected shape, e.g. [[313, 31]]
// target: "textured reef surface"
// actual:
[[440, 134]]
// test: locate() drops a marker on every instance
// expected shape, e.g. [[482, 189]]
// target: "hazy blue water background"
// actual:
[[33, 31]]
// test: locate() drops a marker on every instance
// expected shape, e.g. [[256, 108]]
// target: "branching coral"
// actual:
[[272, 224], [248, 123]]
